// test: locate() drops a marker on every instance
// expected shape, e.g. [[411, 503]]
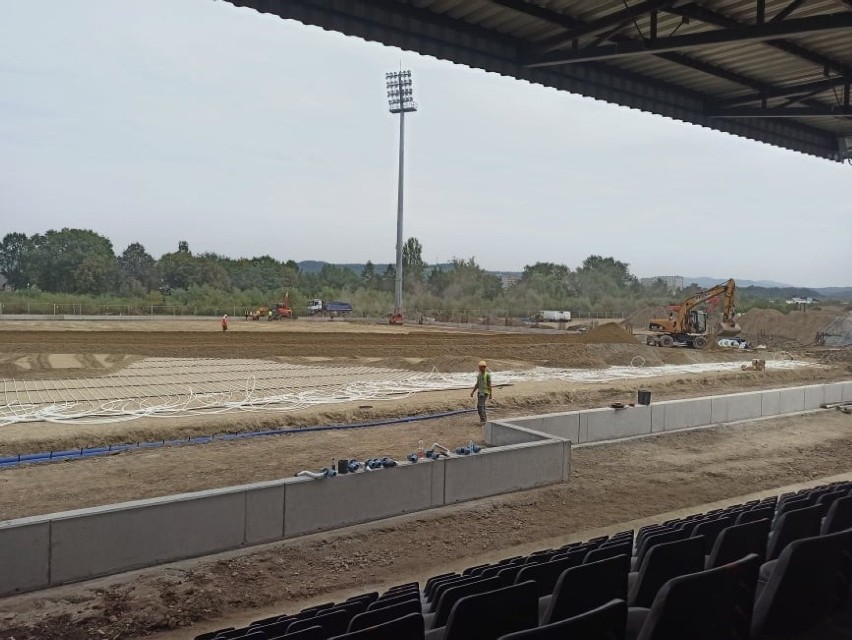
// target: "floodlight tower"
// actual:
[[401, 101]]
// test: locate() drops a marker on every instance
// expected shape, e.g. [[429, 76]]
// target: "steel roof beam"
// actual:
[[809, 88], [568, 22], [733, 35], [615, 19], [779, 112], [711, 17]]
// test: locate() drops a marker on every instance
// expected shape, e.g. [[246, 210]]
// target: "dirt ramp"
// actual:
[[609, 333], [774, 328]]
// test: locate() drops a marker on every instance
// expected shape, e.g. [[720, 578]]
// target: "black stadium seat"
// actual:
[[489, 615], [385, 614], [662, 563], [586, 587], [546, 574], [408, 627], [738, 541], [839, 516], [606, 622], [709, 605], [794, 525]]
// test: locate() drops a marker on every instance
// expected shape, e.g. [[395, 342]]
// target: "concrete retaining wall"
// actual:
[[502, 470], [54, 549], [672, 415], [321, 505]]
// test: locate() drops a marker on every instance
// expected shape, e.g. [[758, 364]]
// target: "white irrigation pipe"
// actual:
[[165, 400]]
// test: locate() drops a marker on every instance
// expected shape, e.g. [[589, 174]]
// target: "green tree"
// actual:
[[368, 276], [15, 258], [59, 254], [138, 268], [412, 264]]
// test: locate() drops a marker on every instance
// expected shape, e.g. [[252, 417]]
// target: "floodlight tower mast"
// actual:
[[401, 101]]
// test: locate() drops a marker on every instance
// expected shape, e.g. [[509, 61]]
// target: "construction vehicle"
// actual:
[[279, 310], [328, 308], [551, 316], [686, 325]]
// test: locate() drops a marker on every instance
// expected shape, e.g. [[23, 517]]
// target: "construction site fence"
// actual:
[[466, 316]]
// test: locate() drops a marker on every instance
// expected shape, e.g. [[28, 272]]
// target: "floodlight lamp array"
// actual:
[[400, 92]]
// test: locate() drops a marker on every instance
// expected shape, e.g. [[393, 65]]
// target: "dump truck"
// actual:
[[551, 316], [330, 308], [686, 325]]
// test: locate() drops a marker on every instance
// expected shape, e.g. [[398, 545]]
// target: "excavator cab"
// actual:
[[697, 322]]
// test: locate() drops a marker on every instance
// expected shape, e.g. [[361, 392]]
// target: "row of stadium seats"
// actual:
[[772, 568]]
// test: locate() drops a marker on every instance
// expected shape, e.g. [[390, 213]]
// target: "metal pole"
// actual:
[[399, 207]]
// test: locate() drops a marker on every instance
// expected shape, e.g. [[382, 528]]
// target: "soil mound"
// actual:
[[640, 318], [769, 326], [610, 333]]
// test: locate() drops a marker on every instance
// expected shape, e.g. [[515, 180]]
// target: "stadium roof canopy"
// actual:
[[776, 71]]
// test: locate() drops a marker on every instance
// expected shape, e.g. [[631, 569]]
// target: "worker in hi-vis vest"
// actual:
[[482, 389]]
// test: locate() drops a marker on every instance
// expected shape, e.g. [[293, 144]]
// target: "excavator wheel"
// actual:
[[699, 342], [665, 341]]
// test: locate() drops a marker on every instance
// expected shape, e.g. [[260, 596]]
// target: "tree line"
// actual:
[[81, 262]]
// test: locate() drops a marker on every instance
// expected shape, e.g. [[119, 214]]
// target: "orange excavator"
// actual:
[[278, 310], [686, 325]]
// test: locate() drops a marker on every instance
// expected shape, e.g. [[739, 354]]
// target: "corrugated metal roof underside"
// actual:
[[487, 35]]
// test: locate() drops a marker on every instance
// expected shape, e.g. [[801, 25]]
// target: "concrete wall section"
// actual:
[[791, 400], [497, 471], [501, 434], [607, 424], [24, 556], [264, 515], [815, 396], [104, 540], [832, 393], [735, 407], [770, 403], [562, 425], [320, 505], [685, 414], [847, 391]]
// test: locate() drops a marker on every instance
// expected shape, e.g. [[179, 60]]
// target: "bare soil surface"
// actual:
[[611, 484], [145, 473]]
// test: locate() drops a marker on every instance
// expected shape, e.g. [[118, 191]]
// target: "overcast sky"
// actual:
[[156, 121]]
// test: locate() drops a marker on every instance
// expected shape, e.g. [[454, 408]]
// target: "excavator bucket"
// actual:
[[728, 329]]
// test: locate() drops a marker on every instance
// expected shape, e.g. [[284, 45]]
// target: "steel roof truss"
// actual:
[[741, 33]]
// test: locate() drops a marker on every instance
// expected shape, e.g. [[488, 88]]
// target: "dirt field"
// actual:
[[611, 483]]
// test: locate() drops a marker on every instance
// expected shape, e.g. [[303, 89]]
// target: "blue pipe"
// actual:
[[72, 454]]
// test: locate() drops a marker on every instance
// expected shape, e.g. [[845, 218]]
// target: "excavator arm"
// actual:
[[680, 324], [727, 290]]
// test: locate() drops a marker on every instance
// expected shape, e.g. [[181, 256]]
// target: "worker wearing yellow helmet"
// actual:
[[482, 389]]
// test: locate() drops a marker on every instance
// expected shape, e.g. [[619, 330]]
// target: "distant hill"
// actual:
[[706, 283]]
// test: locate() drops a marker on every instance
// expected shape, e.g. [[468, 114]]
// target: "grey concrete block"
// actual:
[[718, 409], [815, 396], [502, 470], [438, 476], [566, 460], [832, 392], [264, 512], [791, 400], [504, 433], [770, 403], [104, 540], [562, 425], [658, 417], [320, 505], [847, 391], [610, 424], [24, 556], [744, 406], [688, 413]]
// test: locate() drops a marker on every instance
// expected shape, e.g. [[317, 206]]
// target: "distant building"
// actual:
[[796, 300], [673, 283], [509, 280]]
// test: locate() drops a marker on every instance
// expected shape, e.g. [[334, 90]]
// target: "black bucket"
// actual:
[[644, 397], [343, 466]]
